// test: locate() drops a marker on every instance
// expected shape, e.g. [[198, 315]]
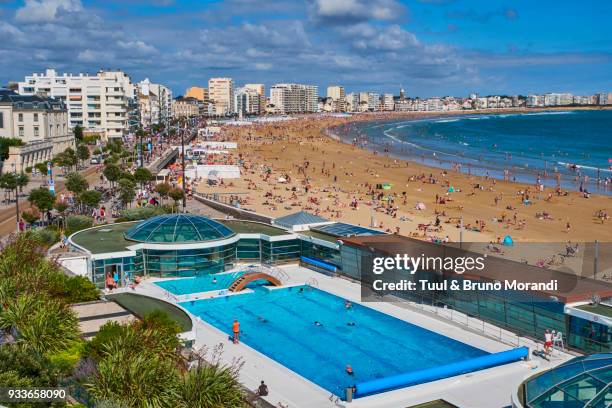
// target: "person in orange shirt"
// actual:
[[236, 331]]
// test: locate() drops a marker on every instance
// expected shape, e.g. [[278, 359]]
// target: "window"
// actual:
[[20, 131], [20, 117], [36, 117], [35, 131], [1, 120]]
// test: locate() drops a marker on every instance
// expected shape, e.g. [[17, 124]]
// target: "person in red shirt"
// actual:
[[236, 331]]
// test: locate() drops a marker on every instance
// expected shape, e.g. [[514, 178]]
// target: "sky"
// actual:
[[428, 47]]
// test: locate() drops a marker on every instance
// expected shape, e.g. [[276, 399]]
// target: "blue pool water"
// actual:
[[377, 346], [205, 283]]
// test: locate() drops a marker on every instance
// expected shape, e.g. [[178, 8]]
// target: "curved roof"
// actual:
[[178, 228], [580, 382]]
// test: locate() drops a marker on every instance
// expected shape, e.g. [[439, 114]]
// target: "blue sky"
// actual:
[[430, 47]]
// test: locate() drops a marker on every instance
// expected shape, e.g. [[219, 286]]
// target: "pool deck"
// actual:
[[488, 388]]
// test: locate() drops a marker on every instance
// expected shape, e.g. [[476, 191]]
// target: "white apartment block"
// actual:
[[40, 123], [338, 98], [154, 103], [352, 102], [221, 94], [294, 98], [260, 89], [388, 102], [98, 103], [247, 101]]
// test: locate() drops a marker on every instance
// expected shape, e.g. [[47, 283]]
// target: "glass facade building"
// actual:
[[580, 382]]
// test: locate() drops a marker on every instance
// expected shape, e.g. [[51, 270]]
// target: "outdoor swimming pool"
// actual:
[[204, 283], [280, 324]]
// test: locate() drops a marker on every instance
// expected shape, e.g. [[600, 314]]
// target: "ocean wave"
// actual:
[[581, 166], [447, 120]]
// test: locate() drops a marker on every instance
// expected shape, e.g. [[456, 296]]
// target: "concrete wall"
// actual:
[[233, 211]]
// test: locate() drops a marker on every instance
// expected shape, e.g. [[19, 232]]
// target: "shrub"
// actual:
[[46, 236], [30, 216], [76, 223], [141, 213], [80, 289]]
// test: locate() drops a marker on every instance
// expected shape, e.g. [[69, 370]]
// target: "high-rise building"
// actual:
[[352, 102], [388, 102], [602, 99], [221, 94], [155, 102], [260, 89], [338, 98], [247, 101], [294, 98], [201, 94], [98, 103]]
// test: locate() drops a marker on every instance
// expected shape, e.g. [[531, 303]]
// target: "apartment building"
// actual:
[[221, 94], [247, 101], [338, 98], [201, 94], [41, 123], [98, 103], [183, 107], [260, 89], [154, 102], [294, 98], [388, 102]]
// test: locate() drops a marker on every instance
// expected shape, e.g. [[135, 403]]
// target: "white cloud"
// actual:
[[263, 66], [351, 11], [41, 11], [100, 57]]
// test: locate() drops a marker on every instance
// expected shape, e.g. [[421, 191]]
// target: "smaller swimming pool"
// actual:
[[204, 283]]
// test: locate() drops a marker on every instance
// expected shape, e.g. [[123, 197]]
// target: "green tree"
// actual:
[[41, 167], [76, 183], [127, 191], [82, 152], [42, 198], [78, 133], [5, 143], [67, 159], [163, 189], [90, 198], [112, 173], [22, 181], [143, 175], [176, 194]]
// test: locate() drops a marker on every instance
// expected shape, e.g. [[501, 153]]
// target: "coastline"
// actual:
[[596, 178], [338, 175]]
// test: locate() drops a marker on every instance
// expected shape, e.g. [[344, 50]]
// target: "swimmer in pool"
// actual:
[[318, 323], [262, 319], [350, 324], [214, 279], [348, 305], [349, 370]]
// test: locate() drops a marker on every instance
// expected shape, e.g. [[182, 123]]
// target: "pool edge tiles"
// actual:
[[328, 373]]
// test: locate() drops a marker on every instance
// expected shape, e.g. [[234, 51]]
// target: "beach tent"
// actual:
[[386, 186], [451, 189], [420, 206], [508, 240], [282, 180]]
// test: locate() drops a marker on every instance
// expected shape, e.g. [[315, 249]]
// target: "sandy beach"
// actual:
[[294, 166]]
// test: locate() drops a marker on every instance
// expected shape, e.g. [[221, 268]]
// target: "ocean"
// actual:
[[523, 147]]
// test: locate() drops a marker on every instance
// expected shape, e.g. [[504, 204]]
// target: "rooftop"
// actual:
[[178, 228], [299, 218], [584, 381], [570, 288], [105, 238], [251, 227]]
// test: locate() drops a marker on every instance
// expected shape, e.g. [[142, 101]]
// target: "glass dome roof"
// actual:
[[175, 228], [584, 381]]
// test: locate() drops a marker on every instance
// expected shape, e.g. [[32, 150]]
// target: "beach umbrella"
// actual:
[[508, 241], [451, 189]]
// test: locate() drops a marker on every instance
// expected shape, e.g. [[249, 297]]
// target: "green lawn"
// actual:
[[143, 305]]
